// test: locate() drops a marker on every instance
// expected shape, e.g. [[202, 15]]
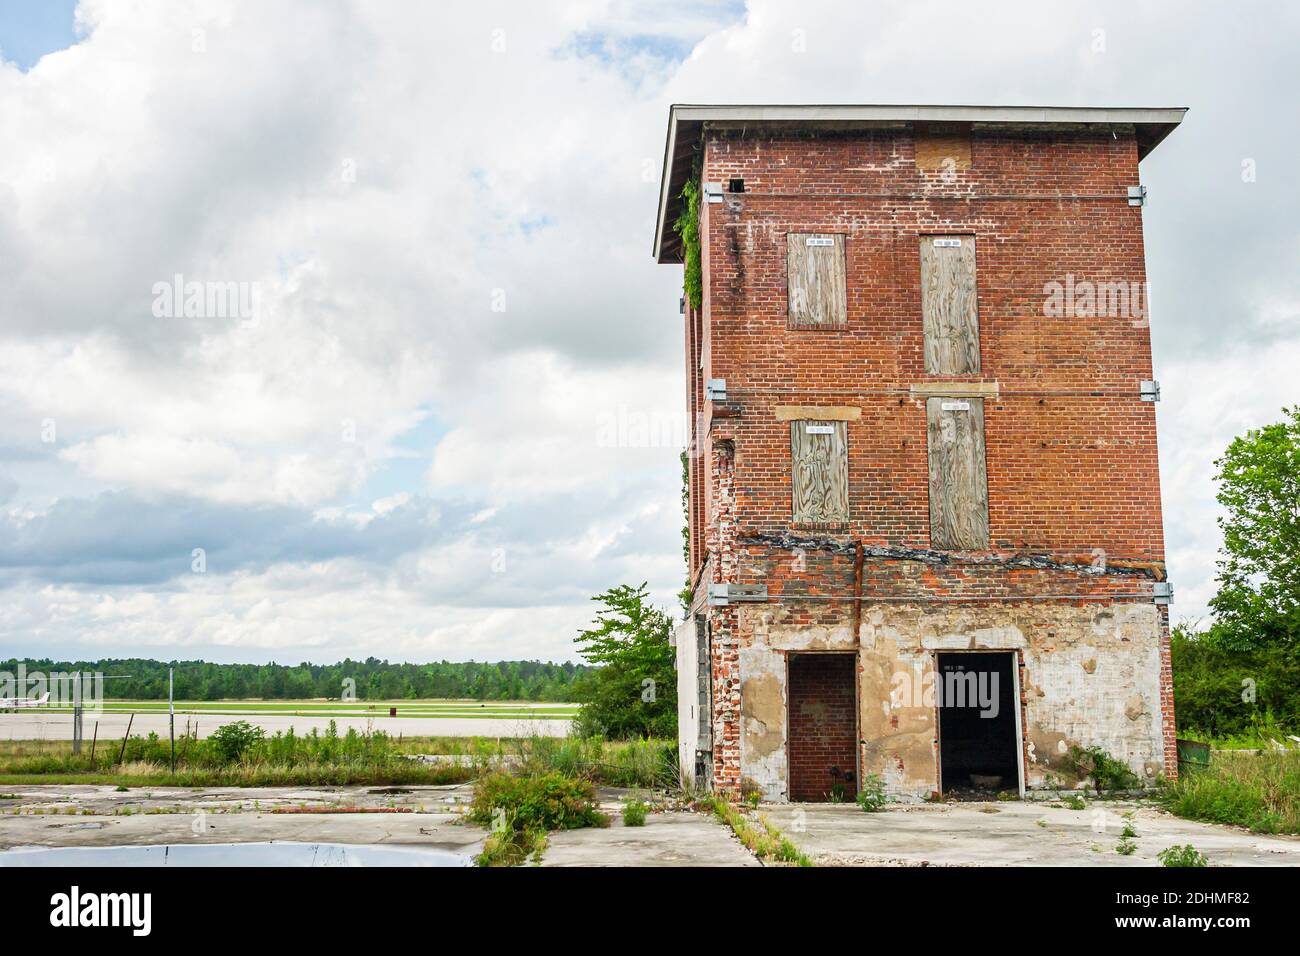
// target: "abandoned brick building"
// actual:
[[924, 501]]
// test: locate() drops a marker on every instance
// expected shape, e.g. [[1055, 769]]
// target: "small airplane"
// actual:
[[15, 703]]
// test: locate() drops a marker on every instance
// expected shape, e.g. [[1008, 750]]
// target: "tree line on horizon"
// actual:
[[145, 679]]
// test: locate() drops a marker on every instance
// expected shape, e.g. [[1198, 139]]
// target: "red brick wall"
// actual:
[[724, 665], [1070, 448], [822, 725]]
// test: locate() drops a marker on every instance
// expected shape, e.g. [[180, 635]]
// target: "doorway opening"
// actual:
[[979, 720], [823, 726]]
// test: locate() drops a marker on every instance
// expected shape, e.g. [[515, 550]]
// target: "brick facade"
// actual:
[[1075, 534]]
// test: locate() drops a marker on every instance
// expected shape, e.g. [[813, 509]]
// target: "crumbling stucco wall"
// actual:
[[763, 692], [1091, 676], [688, 686]]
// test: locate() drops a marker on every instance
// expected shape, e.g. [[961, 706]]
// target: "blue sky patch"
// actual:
[[29, 29]]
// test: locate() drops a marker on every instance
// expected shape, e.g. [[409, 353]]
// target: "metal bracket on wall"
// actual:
[[1137, 195], [713, 192], [715, 390], [1163, 592], [720, 595], [1150, 391]]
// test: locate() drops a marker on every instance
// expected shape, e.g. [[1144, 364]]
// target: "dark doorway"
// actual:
[[823, 727], [977, 723]]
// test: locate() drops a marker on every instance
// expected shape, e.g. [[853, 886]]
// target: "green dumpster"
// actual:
[[1192, 755]]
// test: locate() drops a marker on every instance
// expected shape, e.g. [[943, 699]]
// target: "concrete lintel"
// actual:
[[955, 390], [826, 413]]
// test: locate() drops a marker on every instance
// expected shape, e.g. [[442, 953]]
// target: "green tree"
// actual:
[[1220, 692], [633, 691], [232, 741], [1258, 602], [140, 679]]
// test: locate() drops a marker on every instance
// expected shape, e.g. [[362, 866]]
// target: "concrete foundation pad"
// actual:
[[99, 816], [1015, 834], [102, 816], [81, 798], [427, 830], [672, 838]]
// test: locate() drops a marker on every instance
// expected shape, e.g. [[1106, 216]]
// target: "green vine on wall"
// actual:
[[688, 227], [686, 594]]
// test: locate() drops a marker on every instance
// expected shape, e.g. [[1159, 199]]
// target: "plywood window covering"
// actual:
[[959, 498], [816, 287], [943, 147], [819, 456], [948, 305]]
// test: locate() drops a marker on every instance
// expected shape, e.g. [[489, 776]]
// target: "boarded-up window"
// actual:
[[815, 281], [820, 474], [943, 147], [959, 499], [948, 305]]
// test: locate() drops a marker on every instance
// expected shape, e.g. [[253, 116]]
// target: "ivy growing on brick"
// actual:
[[688, 227]]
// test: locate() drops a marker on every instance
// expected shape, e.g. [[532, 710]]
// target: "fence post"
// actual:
[[125, 738]]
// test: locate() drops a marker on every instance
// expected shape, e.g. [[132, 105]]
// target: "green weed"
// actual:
[[1181, 855], [634, 812]]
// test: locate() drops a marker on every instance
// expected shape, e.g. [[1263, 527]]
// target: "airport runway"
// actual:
[[32, 725]]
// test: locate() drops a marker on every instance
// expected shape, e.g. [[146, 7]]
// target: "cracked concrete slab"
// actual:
[[1015, 834], [670, 838], [109, 800], [434, 831], [100, 816], [97, 816]]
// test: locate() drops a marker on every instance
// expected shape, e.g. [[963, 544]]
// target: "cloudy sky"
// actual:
[[436, 229]]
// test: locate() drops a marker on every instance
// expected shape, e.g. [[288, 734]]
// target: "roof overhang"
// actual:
[[685, 125]]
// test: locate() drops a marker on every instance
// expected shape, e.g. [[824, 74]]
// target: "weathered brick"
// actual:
[[1075, 535]]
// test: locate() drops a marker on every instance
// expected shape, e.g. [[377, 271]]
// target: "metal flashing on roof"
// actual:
[[685, 124]]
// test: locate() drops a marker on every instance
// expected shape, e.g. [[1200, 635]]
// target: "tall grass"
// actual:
[[519, 810], [545, 783], [758, 836], [332, 759], [262, 775], [634, 763], [1258, 791], [323, 759]]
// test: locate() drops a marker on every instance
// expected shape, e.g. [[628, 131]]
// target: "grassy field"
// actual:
[[329, 759], [325, 760], [1258, 791], [132, 775], [442, 746], [528, 710]]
